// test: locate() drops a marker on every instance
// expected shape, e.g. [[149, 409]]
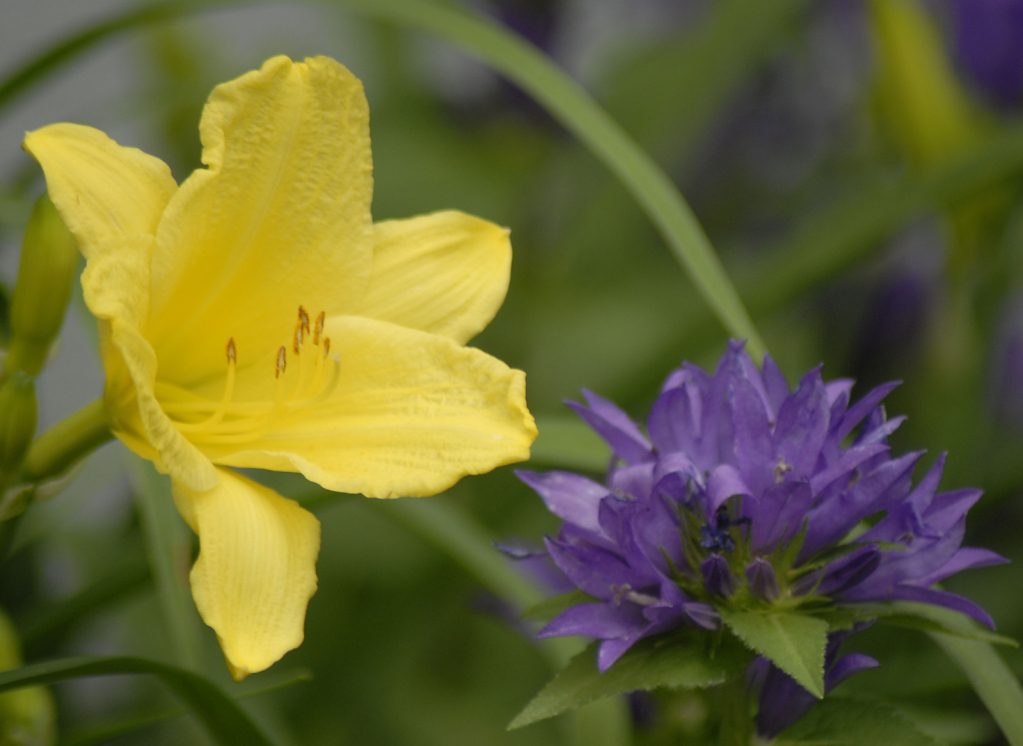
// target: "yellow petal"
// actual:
[[279, 219], [256, 569], [445, 273], [116, 286], [102, 190], [411, 414]]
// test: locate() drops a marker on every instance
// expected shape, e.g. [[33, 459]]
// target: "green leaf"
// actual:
[[104, 733], [849, 722], [931, 619], [551, 607], [994, 683], [663, 661], [224, 720], [793, 642]]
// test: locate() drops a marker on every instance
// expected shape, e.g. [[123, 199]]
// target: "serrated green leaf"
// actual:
[[793, 642], [551, 607], [849, 722], [223, 719], [932, 619], [653, 663]]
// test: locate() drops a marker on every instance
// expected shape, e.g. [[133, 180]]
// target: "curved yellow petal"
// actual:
[[256, 569], [280, 218], [410, 414], [101, 189], [445, 273], [116, 286]]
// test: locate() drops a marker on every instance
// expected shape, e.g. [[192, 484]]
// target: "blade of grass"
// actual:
[[996, 685], [223, 719]]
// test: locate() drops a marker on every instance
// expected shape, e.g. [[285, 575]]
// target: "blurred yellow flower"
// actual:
[[256, 317]]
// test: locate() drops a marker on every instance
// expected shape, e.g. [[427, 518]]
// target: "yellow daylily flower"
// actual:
[[255, 316]]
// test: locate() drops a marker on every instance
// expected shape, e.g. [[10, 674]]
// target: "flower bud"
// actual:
[[18, 417], [27, 716], [763, 583], [717, 576], [46, 272]]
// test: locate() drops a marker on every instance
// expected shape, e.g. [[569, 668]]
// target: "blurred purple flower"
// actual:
[[989, 42], [741, 497]]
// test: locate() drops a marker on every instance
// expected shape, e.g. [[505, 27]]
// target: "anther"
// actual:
[[326, 346], [318, 329], [282, 361], [232, 355], [297, 343], [303, 318], [781, 469]]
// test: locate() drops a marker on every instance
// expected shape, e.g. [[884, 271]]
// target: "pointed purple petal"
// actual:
[[803, 425], [846, 667], [966, 558], [775, 385], [569, 496], [863, 407], [605, 621], [593, 570]]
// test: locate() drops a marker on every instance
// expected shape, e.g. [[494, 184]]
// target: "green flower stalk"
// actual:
[[27, 716], [48, 269]]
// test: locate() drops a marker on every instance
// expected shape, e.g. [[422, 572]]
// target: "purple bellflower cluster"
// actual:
[[745, 495], [988, 43]]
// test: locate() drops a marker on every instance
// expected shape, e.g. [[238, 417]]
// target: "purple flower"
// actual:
[[743, 494], [988, 34]]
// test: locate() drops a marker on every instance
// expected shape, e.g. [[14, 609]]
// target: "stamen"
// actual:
[[207, 421], [318, 329], [282, 361]]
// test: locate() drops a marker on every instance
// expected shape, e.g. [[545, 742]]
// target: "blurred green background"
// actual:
[[855, 166]]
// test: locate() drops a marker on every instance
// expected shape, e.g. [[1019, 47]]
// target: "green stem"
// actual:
[[736, 723], [57, 450], [994, 682]]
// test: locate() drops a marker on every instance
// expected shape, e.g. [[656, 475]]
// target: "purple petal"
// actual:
[[593, 570], [862, 408], [849, 572], [938, 598], [803, 425], [880, 433], [723, 483], [838, 389], [615, 427], [612, 650], [851, 459], [833, 517], [605, 621], [569, 496], [753, 445], [633, 481], [966, 558], [775, 385], [947, 508], [846, 667], [779, 514], [703, 615]]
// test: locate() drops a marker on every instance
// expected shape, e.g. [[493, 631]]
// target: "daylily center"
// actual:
[[226, 421]]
